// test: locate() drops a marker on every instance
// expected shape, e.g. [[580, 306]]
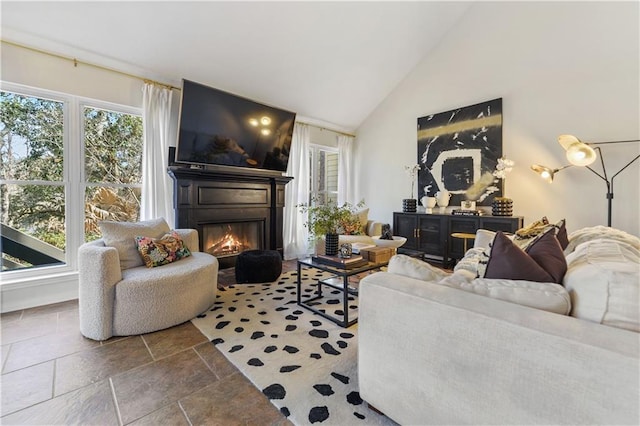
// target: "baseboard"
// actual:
[[38, 292]]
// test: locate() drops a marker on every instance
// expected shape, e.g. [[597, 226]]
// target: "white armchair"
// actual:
[[137, 300]]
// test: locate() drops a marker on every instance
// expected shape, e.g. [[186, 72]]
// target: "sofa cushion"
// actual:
[[414, 268], [603, 280], [121, 236], [545, 296], [542, 262], [160, 251]]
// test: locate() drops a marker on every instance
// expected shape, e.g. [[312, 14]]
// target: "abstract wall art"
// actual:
[[457, 147]]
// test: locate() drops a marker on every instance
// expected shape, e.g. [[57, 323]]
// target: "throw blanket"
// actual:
[[600, 232]]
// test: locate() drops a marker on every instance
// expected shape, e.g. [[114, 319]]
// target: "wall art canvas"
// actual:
[[455, 148]]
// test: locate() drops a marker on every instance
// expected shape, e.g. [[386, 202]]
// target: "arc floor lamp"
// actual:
[[582, 154]]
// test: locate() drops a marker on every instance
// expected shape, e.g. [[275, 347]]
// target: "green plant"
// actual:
[[329, 218]]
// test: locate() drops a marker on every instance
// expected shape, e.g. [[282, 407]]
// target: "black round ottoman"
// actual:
[[258, 266]]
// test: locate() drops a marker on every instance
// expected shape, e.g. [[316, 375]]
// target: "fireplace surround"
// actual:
[[232, 210]]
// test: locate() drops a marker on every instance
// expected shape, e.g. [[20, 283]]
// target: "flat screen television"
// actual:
[[220, 129]]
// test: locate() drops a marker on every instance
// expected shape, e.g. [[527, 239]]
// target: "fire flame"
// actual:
[[228, 245]]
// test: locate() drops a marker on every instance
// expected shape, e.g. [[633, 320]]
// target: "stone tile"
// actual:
[[231, 401], [68, 321], [169, 415], [45, 348], [113, 339], [173, 340], [91, 405], [215, 360], [93, 365], [150, 387], [51, 308], [27, 328], [26, 387]]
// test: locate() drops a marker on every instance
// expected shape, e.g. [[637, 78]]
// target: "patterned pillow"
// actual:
[[527, 236], [121, 236], [160, 251]]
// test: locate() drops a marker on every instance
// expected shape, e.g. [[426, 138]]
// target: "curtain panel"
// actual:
[[157, 187], [295, 233], [346, 192]]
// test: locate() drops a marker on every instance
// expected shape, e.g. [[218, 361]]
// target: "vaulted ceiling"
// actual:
[[329, 61]]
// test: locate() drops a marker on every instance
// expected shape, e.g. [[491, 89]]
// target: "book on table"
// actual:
[[356, 247], [345, 263]]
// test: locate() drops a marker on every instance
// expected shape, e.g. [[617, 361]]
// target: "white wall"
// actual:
[[43, 71], [559, 68]]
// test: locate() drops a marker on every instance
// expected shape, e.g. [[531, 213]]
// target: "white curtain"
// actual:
[[157, 186], [295, 234], [345, 171]]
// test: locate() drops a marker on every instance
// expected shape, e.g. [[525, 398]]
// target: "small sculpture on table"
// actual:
[[346, 250], [386, 232]]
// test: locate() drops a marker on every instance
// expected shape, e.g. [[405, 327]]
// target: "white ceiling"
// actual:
[[333, 62]]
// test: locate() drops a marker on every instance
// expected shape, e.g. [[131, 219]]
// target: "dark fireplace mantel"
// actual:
[[203, 197]]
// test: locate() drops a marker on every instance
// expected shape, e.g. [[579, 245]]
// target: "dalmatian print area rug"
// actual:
[[305, 364]]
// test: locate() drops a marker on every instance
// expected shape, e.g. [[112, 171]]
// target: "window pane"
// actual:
[[101, 203], [32, 138], [33, 226], [113, 146]]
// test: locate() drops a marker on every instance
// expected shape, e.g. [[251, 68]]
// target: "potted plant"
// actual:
[[330, 220]]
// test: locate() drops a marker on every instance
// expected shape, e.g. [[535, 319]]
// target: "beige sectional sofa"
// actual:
[[438, 348]]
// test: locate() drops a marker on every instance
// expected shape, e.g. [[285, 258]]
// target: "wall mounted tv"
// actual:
[[221, 129]]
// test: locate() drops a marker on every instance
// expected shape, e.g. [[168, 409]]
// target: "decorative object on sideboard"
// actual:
[[502, 206], [442, 198], [581, 154], [429, 203], [456, 147], [410, 205], [487, 184]]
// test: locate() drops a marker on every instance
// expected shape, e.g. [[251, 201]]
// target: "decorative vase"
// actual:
[[442, 198], [331, 244], [409, 205], [502, 206], [429, 203]]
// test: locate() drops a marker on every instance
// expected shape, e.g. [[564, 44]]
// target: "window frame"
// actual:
[[73, 178], [314, 152]]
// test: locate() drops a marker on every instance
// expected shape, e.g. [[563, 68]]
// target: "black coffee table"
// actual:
[[339, 281]]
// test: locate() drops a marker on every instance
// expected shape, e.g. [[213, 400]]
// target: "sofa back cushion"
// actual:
[[121, 236]]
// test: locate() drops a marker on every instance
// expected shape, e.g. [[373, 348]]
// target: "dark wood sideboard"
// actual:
[[429, 235]]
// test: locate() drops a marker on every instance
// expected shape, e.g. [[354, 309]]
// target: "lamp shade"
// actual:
[[578, 153], [545, 173]]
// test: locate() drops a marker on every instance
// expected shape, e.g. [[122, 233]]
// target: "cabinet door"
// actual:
[[431, 235], [504, 224], [404, 225]]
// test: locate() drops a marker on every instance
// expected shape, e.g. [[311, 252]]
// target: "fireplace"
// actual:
[[231, 239], [233, 210]]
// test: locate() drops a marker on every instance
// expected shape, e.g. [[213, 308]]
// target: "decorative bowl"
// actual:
[[395, 243]]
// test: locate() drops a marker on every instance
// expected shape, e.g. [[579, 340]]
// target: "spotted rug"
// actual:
[[305, 364]]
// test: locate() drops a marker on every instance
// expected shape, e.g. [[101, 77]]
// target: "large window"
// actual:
[[54, 149], [324, 175]]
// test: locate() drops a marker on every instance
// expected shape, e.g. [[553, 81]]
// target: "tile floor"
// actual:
[[53, 375]]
